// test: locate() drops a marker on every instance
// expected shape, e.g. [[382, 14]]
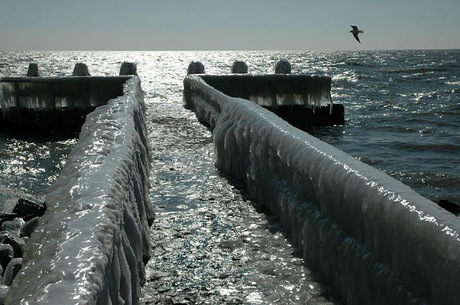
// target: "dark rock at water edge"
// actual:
[[6, 255], [27, 209], [7, 217], [16, 242], [13, 225], [29, 227], [11, 270], [3, 291], [17, 228]]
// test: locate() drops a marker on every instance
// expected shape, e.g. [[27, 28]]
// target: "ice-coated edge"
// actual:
[[91, 245], [373, 238]]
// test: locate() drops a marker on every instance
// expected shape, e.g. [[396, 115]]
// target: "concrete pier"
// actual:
[[33, 70], [373, 238], [302, 100], [47, 104], [195, 67], [80, 69], [283, 67], [91, 245], [239, 67]]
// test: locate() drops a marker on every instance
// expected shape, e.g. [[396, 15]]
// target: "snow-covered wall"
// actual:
[[375, 239], [92, 243]]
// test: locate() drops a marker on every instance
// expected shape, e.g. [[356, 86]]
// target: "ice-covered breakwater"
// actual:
[[54, 103], [372, 237], [301, 99], [91, 245]]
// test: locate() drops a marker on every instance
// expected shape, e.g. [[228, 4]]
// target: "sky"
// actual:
[[228, 25]]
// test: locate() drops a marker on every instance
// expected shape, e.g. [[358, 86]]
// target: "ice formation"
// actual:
[[91, 245], [57, 93], [375, 239], [275, 90]]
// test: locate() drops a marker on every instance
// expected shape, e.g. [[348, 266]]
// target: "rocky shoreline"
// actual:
[[15, 231]]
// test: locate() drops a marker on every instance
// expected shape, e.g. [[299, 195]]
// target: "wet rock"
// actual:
[[12, 225], [7, 217], [28, 209], [3, 291], [6, 255], [29, 227], [11, 270], [16, 242], [450, 206]]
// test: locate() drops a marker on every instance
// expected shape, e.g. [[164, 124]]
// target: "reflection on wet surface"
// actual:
[[28, 166], [210, 245]]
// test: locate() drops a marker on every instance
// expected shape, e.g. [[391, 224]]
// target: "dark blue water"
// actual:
[[402, 107], [403, 116]]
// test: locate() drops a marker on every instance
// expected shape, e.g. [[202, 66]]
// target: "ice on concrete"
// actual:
[[275, 90], [372, 237], [91, 245]]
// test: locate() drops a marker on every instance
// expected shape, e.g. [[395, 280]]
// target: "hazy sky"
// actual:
[[228, 25]]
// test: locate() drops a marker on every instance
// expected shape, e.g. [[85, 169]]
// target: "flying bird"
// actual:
[[355, 32]]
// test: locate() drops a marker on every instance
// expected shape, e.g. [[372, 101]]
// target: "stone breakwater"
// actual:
[[16, 228], [91, 245], [41, 106], [370, 236]]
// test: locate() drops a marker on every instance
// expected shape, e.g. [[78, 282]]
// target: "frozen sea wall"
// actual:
[[31, 104], [91, 245], [303, 100], [373, 238]]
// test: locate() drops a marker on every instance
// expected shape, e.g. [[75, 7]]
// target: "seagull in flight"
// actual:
[[355, 32]]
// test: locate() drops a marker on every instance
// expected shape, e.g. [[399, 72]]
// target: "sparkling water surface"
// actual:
[[212, 246], [402, 108]]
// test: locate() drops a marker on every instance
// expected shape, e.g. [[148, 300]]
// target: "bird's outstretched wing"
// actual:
[[356, 36]]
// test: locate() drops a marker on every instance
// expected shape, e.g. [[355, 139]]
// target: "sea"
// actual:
[[402, 108], [210, 243]]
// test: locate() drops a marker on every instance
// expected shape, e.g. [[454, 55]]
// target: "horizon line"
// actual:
[[226, 50]]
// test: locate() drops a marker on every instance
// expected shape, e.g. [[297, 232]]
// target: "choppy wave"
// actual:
[[441, 68]]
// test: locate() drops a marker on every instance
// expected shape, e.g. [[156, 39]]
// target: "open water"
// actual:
[[402, 112]]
